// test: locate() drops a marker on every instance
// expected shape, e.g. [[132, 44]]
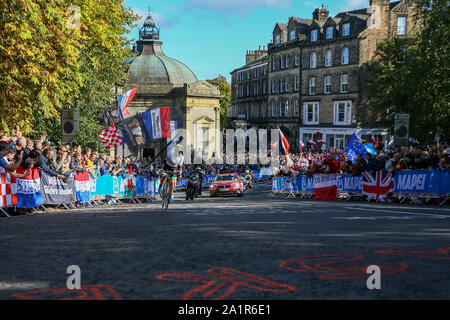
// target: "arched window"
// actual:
[[286, 108], [287, 61], [280, 108], [313, 60], [296, 59], [344, 57], [282, 62], [272, 106], [328, 58]]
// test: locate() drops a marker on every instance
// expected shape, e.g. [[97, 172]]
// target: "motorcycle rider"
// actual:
[[199, 172], [192, 183], [248, 178]]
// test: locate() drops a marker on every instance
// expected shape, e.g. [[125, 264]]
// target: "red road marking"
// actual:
[[320, 264], [222, 282], [441, 253], [91, 292]]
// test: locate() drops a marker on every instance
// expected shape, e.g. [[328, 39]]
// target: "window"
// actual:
[[314, 35], [346, 29], [343, 112], [286, 108], [256, 111], [292, 35], [344, 83], [265, 71], [256, 89], [272, 107], [312, 86], [401, 26], [273, 86], [311, 113], [327, 84], [273, 64], [286, 85], [264, 86], [330, 33], [295, 106], [296, 83], [248, 90], [313, 60], [344, 56], [287, 62], [277, 39], [402, 56], [282, 62], [296, 60], [280, 114], [328, 58], [248, 75], [281, 85]]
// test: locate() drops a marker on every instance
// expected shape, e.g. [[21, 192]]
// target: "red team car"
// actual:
[[226, 184]]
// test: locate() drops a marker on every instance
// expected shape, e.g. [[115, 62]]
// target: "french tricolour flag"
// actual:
[[29, 189], [157, 122], [123, 101], [83, 187]]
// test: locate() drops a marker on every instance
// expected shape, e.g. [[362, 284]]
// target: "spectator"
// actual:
[[46, 165]]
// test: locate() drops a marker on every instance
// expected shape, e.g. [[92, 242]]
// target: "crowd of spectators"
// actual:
[[416, 157], [18, 154]]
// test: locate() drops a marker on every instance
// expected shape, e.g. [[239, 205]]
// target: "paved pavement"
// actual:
[[255, 247]]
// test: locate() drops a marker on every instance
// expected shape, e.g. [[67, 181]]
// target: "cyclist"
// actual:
[[171, 165]]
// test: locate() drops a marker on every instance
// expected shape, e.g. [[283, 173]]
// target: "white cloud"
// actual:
[[354, 5], [160, 20], [311, 4], [238, 7]]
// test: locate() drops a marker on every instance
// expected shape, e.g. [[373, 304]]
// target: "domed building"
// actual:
[[166, 82]]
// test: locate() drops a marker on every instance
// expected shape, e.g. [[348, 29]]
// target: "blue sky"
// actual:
[[212, 36]]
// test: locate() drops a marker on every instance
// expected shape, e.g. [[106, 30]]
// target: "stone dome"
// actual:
[[152, 66]]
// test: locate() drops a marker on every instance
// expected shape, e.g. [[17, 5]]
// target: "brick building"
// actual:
[[317, 80]]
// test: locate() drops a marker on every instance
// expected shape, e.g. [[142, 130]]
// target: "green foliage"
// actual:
[[48, 66], [225, 102], [419, 84]]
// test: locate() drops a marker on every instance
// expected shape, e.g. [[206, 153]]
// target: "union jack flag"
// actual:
[[379, 186]]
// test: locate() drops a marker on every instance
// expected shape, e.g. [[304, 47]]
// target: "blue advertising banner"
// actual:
[[349, 184], [421, 183], [425, 183], [107, 185]]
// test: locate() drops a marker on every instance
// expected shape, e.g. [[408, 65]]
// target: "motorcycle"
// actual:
[[247, 182], [192, 187]]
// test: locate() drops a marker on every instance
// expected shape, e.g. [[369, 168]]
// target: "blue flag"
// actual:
[[355, 147], [370, 148]]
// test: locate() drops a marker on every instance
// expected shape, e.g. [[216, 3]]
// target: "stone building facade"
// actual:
[[166, 82], [332, 92], [249, 91]]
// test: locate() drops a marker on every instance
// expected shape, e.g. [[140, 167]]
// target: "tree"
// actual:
[[39, 66], [225, 102], [104, 48], [411, 75]]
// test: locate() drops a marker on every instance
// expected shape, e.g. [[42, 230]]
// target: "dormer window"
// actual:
[[277, 39], [314, 35], [346, 29], [292, 35], [330, 32]]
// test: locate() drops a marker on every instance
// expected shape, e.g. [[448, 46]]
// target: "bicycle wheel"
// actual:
[[164, 197]]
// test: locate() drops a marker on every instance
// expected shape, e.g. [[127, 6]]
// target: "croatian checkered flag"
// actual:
[[110, 137]]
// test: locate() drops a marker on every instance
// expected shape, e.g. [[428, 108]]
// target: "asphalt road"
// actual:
[[255, 247]]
